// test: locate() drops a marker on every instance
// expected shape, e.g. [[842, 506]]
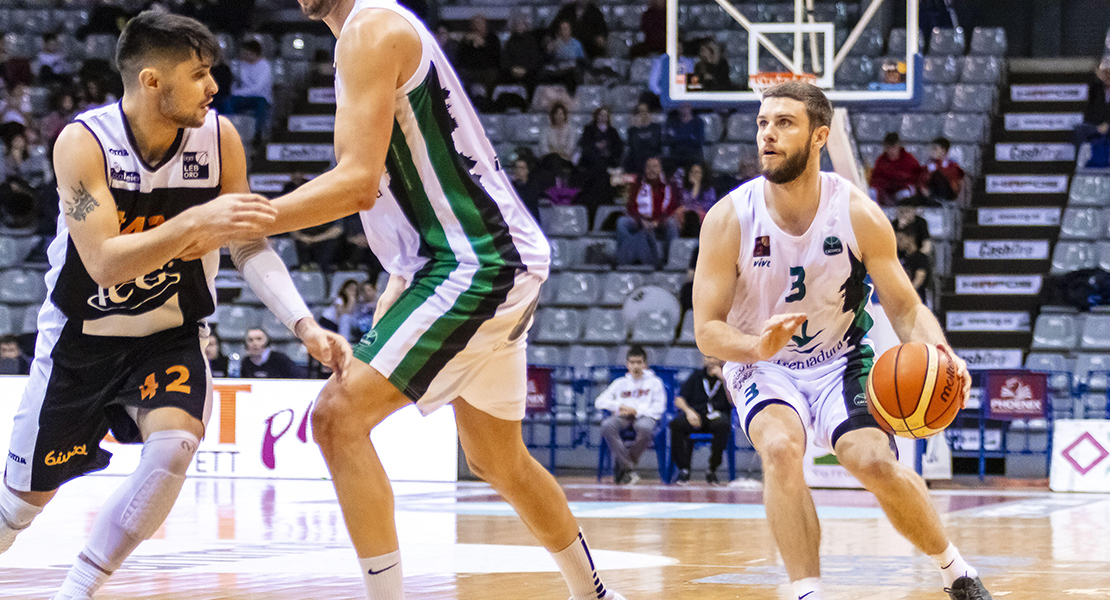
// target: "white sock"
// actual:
[[952, 565], [15, 516], [578, 570], [808, 588], [382, 575], [82, 581]]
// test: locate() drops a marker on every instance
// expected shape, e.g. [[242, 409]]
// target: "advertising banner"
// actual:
[[540, 391], [1080, 449], [987, 321], [1016, 395], [1006, 249]]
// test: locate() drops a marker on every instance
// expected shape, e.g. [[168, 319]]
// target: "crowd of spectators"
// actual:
[[898, 178]]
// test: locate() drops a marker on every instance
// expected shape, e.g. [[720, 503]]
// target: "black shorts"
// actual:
[[83, 388]]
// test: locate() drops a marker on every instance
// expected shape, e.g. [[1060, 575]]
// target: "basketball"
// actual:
[[914, 390]]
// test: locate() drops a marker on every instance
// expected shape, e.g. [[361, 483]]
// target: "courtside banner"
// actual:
[[540, 391], [1016, 395], [1080, 456], [261, 428]]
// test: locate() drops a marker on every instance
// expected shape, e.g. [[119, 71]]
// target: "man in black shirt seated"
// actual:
[[264, 363], [703, 407]]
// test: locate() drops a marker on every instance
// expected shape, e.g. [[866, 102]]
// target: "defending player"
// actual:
[[120, 342], [466, 260], [780, 293]]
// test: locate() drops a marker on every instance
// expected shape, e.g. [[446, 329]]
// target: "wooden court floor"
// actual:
[[256, 539]]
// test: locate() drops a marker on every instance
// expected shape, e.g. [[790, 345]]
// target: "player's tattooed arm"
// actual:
[[81, 204]]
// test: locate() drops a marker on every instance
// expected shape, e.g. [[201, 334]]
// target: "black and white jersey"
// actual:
[[146, 195]]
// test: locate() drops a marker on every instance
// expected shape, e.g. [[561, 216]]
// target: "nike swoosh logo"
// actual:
[[373, 572], [804, 595]]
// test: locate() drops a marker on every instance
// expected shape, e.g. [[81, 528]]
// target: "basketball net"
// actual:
[[762, 81]]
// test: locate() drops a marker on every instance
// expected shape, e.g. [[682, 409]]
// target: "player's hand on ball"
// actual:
[[325, 346], [961, 371], [777, 332]]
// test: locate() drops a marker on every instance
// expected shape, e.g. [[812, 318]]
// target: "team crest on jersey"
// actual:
[[194, 165], [116, 173], [762, 246], [833, 246]]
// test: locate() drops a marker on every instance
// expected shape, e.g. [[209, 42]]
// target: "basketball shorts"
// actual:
[[443, 339], [830, 399], [81, 386]]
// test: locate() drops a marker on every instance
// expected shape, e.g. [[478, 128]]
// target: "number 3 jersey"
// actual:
[[145, 195], [819, 273]]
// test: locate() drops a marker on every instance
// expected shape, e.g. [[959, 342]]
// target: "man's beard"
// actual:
[[791, 168], [168, 106], [317, 9]]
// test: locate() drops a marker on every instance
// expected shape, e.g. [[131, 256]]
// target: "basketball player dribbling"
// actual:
[[132, 276], [780, 293], [466, 261]]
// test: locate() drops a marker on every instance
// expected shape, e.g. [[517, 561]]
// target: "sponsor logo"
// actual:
[[300, 152], [1042, 121], [948, 394], [1019, 216], [1019, 285], [370, 337], [53, 460], [991, 358], [312, 123], [860, 399], [1034, 152], [1006, 249], [135, 293], [15, 458], [833, 246], [116, 173], [819, 358], [804, 339], [1049, 93], [762, 262], [321, 95], [762, 246], [194, 165], [115, 152], [1016, 395], [987, 321], [1027, 184]]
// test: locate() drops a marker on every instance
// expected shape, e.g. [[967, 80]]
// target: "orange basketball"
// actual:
[[914, 390]]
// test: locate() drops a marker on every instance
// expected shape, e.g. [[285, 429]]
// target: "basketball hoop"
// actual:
[[762, 81]]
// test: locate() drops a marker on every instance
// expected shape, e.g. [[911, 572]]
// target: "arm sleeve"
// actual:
[[269, 279]]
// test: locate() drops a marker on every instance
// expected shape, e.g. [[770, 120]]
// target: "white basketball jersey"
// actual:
[[444, 198], [818, 273], [145, 195]]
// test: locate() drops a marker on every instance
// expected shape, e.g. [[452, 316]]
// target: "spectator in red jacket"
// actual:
[[942, 178], [896, 173], [644, 235]]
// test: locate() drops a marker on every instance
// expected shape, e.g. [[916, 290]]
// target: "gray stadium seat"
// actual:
[[562, 253], [870, 43], [494, 126], [686, 334], [855, 72], [591, 356], [22, 286], [1071, 256], [920, 127], [311, 285], [941, 69], [274, 328], [714, 126], [741, 127], [286, 248], [1102, 253], [669, 280], [245, 125], [7, 323], [234, 320], [983, 69], [974, 98], [1055, 332], [569, 221], [624, 98], [1089, 190], [989, 41], [71, 19], [548, 356], [896, 42], [14, 249], [738, 71], [682, 358], [1082, 223], [869, 152], [589, 98], [626, 17], [734, 43], [946, 42], [653, 327], [1091, 369], [621, 121], [576, 289], [558, 326], [30, 318], [604, 326], [710, 16], [1058, 366], [641, 69], [100, 45], [967, 156], [619, 284], [724, 158], [620, 43], [1095, 334], [967, 128], [873, 127], [247, 296], [524, 128], [935, 98], [679, 257], [603, 213]]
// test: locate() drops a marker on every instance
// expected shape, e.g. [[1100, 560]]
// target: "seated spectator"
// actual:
[[63, 107], [478, 58], [356, 251], [12, 360], [645, 139], [94, 94], [645, 233], [264, 363], [600, 149], [522, 57], [566, 59], [527, 187], [218, 362], [339, 316], [943, 178], [14, 70], [446, 41], [908, 220], [22, 180], [252, 92], [711, 69], [587, 25], [559, 138], [362, 315], [698, 196], [702, 407], [746, 169], [317, 247], [915, 263], [653, 24], [684, 136], [896, 173], [52, 66], [1095, 127], [636, 402]]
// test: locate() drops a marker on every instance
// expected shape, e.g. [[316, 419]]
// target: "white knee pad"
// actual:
[[137, 509]]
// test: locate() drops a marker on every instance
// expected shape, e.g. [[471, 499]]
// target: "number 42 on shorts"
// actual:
[[150, 385]]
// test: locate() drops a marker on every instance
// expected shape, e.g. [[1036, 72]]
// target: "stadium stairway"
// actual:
[[1006, 251], [304, 144]]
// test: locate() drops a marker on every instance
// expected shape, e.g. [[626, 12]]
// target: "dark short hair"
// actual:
[[891, 139], [943, 143], [818, 108], [8, 338], [152, 36], [557, 106], [267, 344], [253, 46], [636, 350]]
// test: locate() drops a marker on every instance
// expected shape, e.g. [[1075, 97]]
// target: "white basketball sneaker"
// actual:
[[609, 595]]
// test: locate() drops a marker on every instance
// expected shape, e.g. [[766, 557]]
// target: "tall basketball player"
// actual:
[[121, 334], [780, 293], [466, 261]]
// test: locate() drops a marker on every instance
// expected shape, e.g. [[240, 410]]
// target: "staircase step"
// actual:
[[1027, 190], [990, 303], [995, 339], [980, 321], [1037, 126], [973, 231], [1035, 218], [1045, 77], [970, 266]]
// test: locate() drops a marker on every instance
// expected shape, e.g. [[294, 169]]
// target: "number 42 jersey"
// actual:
[[819, 273]]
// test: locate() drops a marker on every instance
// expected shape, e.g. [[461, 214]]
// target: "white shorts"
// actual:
[[830, 399]]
